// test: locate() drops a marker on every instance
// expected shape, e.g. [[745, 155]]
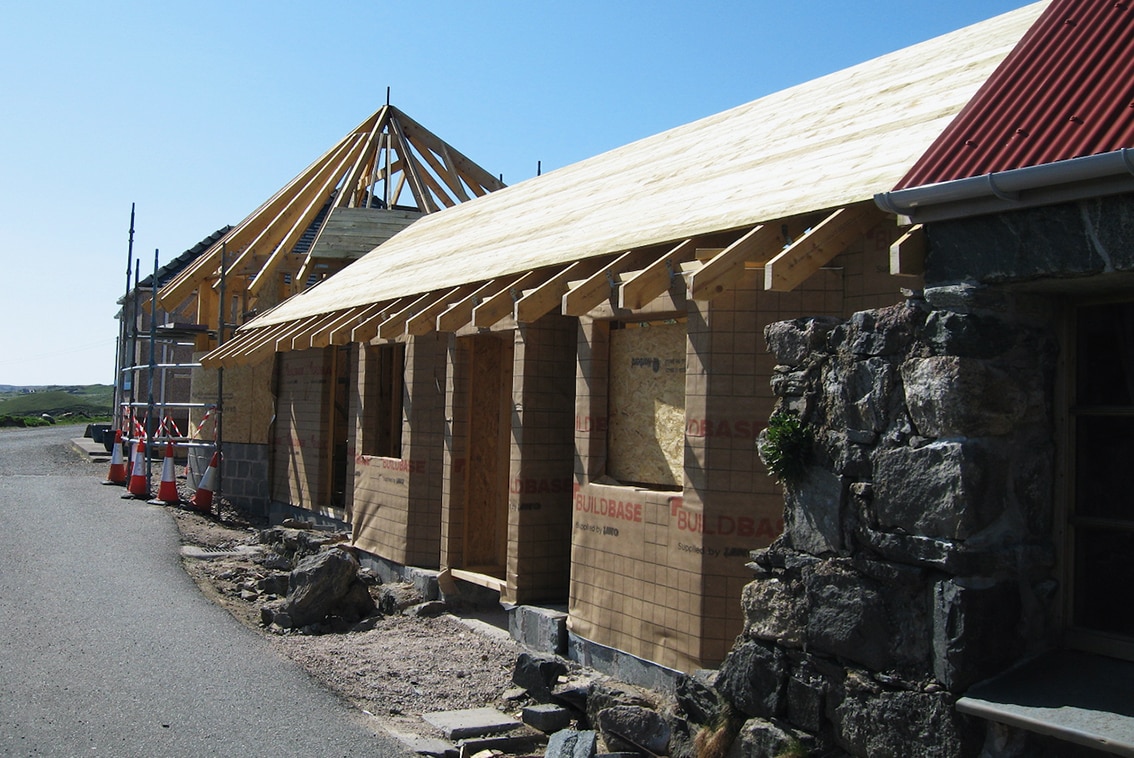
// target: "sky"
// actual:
[[198, 112]]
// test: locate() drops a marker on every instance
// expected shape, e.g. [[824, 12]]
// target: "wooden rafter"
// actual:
[[459, 315], [411, 169], [394, 325], [603, 284], [819, 246], [388, 147], [501, 304], [907, 254], [425, 320], [656, 278], [311, 203], [368, 329], [541, 300], [341, 333], [721, 272], [302, 339]]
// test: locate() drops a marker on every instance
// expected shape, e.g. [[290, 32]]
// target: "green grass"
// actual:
[[86, 403]]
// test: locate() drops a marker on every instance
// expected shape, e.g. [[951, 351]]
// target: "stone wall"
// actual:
[[917, 556]]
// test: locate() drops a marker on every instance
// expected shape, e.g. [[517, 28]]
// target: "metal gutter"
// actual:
[[1061, 181]]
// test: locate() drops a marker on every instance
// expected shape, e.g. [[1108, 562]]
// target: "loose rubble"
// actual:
[[405, 660]]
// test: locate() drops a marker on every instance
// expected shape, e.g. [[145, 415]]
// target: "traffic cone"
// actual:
[[138, 485], [202, 499], [167, 490], [117, 473]]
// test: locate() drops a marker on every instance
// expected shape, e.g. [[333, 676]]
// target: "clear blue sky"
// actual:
[[198, 112]]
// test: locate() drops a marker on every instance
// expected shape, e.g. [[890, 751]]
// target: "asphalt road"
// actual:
[[108, 648]]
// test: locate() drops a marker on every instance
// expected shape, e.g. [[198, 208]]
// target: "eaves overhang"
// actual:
[[1063, 181]]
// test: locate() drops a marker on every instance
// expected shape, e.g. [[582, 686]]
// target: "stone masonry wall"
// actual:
[[917, 556]]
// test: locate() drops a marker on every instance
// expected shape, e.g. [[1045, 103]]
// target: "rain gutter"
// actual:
[[1049, 183]]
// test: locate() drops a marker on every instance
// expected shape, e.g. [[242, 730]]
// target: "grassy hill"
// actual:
[[83, 403]]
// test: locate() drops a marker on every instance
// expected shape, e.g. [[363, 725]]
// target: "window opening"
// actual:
[[1101, 528], [385, 386]]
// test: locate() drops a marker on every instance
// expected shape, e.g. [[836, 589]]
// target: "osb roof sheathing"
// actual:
[[824, 144]]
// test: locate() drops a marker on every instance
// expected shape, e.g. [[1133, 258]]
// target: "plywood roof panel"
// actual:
[[824, 144]]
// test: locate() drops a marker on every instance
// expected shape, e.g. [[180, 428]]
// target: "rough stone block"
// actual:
[[633, 727], [572, 744], [760, 738], [968, 335], [541, 629], [886, 331], [858, 393], [806, 699], [752, 678], [537, 675], [546, 717], [793, 342], [814, 512], [698, 700], [874, 614], [775, 609], [958, 491], [949, 396], [973, 629], [904, 723]]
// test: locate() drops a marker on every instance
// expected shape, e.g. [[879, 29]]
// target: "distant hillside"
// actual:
[[87, 402]]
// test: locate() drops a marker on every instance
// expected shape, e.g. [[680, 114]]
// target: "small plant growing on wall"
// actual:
[[785, 446]]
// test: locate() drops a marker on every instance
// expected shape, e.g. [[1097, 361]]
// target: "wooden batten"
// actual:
[[460, 314], [539, 301], [819, 246], [907, 254], [655, 278], [350, 233], [720, 273], [492, 309]]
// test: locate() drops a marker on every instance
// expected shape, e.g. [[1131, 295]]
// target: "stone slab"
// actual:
[[472, 722], [1076, 697]]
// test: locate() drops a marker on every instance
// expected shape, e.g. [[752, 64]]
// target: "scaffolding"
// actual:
[[164, 414]]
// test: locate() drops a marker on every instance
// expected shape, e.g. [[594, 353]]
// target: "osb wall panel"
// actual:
[[647, 404], [299, 455], [248, 403], [636, 575], [692, 552], [543, 459], [455, 459], [396, 510], [486, 512]]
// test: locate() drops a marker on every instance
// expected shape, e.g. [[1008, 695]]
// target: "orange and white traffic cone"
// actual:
[[138, 486], [117, 473], [167, 490], [202, 499]]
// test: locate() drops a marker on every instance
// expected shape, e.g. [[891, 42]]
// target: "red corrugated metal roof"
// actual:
[[1065, 91]]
